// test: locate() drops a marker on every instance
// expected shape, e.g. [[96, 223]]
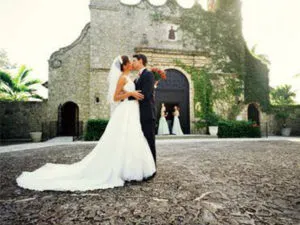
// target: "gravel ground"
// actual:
[[203, 183]]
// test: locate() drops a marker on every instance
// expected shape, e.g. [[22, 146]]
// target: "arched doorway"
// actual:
[[253, 113], [174, 91], [68, 119]]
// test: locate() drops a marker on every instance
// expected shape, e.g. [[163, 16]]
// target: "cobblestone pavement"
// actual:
[[203, 183]]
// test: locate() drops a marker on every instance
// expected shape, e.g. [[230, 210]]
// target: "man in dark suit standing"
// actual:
[[145, 83]]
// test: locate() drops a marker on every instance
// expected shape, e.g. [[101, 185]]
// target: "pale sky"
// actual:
[[31, 30]]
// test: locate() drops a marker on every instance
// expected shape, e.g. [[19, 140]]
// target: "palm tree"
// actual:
[[282, 95], [17, 87]]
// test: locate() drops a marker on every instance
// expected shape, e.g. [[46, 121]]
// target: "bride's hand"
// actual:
[[137, 95]]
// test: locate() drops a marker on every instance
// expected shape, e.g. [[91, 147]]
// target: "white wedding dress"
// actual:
[[176, 129], [163, 127], [122, 154]]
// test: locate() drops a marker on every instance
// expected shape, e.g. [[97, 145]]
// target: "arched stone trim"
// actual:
[[68, 102], [55, 60], [68, 124], [254, 112], [137, 2], [191, 91], [244, 112], [266, 120]]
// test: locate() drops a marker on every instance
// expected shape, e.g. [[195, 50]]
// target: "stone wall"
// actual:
[[128, 27], [78, 72], [99, 87], [134, 29], [270, 125], [69, 76], [266, 120], [20, 118]]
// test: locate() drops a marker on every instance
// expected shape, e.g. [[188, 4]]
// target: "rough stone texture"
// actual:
[[216, 183], [17, 119], [99, 87], [93, 52], [78, 72], [105, 46], [69, 77], [115, 29], [269, 123]]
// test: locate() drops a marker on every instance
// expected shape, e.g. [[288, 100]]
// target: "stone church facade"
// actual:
[[78, 73]]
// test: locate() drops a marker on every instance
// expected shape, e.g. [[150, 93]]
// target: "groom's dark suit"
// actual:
[[145, 83]]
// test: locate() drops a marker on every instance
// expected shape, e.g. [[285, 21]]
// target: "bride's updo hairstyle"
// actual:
[[125, 60]]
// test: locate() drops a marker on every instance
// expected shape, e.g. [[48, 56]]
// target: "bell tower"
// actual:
[[105, 24]]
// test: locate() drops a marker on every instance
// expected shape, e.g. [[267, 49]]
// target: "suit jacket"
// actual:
[[145, 83]]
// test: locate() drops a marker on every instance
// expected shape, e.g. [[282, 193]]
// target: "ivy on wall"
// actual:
[[257, 82], [203, 89], [220, 34], [213, 91], [228, 95]]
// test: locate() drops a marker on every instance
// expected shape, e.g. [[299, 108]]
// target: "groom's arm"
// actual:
[[131, 97], [147, 86]]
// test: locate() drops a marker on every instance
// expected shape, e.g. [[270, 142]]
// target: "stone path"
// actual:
[[198, 182], [165, 139]]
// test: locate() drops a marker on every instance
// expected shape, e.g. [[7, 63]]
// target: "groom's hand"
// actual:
[[137, 95]]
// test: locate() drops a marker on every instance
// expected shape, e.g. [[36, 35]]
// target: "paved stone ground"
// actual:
[[207, 183]]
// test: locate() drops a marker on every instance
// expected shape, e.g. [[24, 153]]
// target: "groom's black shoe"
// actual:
[[150, 178]]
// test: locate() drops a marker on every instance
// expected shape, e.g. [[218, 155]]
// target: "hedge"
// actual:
[[236, 129], [95, 129]]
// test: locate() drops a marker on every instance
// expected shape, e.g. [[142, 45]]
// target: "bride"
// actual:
[[122, 153]]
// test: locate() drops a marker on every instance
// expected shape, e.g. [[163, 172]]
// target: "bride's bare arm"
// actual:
[[120, 94]]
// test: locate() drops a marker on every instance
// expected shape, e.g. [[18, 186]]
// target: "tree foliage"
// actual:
[[18, 87], [282, 95], [5, 63]]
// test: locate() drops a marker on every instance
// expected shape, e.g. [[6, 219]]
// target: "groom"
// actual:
[[145, 83]]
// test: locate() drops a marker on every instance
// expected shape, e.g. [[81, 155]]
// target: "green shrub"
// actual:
[[95, 129], [212, 119], [235, 129]]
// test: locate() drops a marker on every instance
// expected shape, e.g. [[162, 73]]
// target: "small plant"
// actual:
[[212, 119], [281, 97], [282, 117]]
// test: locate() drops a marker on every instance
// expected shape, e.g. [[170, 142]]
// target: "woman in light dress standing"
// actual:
[[163, 127], [176, 129]]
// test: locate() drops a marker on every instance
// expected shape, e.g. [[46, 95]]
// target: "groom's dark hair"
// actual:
[[142, 57]]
